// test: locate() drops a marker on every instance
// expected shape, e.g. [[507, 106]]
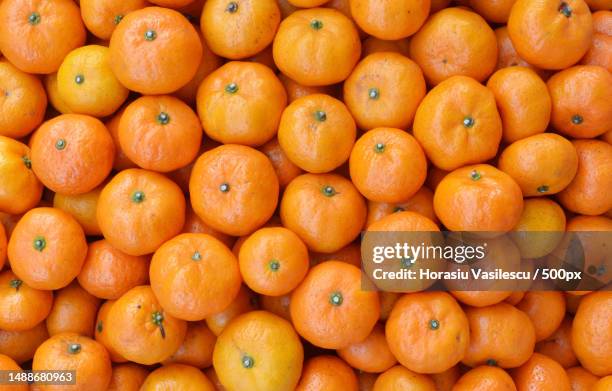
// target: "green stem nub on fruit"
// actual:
[[491, 362], [434, 324], [543, 189], [328, 191], [374, 93], [232, 7], [320, 116], [468, 122], [74, 348], [196, 256], [158, 319], [15, 283], [60, 144], [248, 362], [274, 265], [79, 79], [336, 299], [379, 148], [225, 187], [34, 18], [565, 9], [163, 118], [138, 196], [316, 24], [117, 19], [398, 209], [27, 162], [475, 175], [577, 119], [39, 243], [150, 35]]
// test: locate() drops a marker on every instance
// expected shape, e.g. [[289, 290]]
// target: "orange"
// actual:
[[86, 83], [194, 224], [21, 190], [496, 11], [603, 384], [197, 347], [600, 52], [541, 164], [558, 346], [273, 261], [485, 378], [506, 54], [108, 273], [127, 377], [427, 332], [140, 330], [101, 17], [194, 276], [539, 29], [8, 364], [541, 373], [245, 301], [522, 100], [317, 133], [41, 238], [588, 193], [370, 355], [384, 90], [70, 351], [46, 29], [74, 311], [591, 338], [285, 169], [234, 189], [241, 28], [421, 202], [327, 373], [72, 153], [82, 207], [452, 42], [101, 334], [159, 133], [580, 101], [138, 210], [400, 378], [21, 345], [23, 307], [500, 335], [155, 51], [177, 377], [546, 310], [458, 123], [581, 379], [390, 19], [329, 308], [326, 211], [23, 101], [387, 165], [478, 198], [241, 103], [317, 47], [375, 45], [258, 351], [55, 100]]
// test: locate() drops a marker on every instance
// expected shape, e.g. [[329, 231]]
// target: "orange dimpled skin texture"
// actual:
[[155, 51], [23, 307], [21, 190]]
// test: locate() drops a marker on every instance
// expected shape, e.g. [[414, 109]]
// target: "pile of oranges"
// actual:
[[183, 184]]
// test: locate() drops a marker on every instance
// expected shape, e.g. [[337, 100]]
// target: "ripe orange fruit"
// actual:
[[160, 133], [74, 311], [400, 378], [581, 379], [427, 332], [258, 350], [522, 100], [384, 90], [326, 211], [485, 378], [390, 19], [317, 133], [101, 334], [197, 347], [273, 261], [478, 198], [239, 29], [538, 30], [23, 307], [35, 36], [194, 276], [541, 164], [499, 335], [8, 364], [387, 165], [600, 52], [591, 338], [370, 355], [108, 273], [241, 103], [155, 51], [21, 345], [587, 193], [317, 47], [177, 377], [245, 301], [82, 207], [39, 240], [454, 41], [507, 55], [234, 189], [70, 351], [138, 210], [140, 330], [24, 101], [101, 17], [21, 190], [285, 169], [541, 373], [558, 345], [127, 377], [546, 310], [458, 124], [331, 298], [374, 45], [603, 384], [580, 101], [327, 373], [496, 11], [50, 82], [72, 153], [86, 83]]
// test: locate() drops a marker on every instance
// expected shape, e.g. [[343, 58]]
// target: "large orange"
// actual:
[[23, 307], [370, 355], [155, 51], [74, 311], [400, 378], [485, 378], [541, 373], [390, 19], [550, 34], [546, 310], [21, 190], [328, 373], [177, 377], [21, 345], [600, 52], [558, 345]]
